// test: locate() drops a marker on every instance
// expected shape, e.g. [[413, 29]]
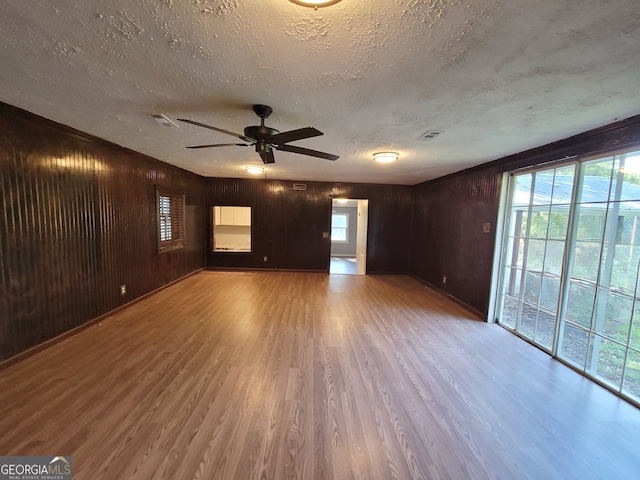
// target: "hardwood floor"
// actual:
[[343, 265], [281, 375]]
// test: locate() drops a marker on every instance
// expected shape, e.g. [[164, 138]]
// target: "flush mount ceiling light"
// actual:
[[385, 157], [315, 3], [254, 169]]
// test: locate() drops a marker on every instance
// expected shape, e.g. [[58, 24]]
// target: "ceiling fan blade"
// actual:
[[267, 157], [221, 145], [222, 130], [293, 135], [306, 151]]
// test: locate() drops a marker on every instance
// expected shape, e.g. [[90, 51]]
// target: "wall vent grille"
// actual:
[[299, 186]]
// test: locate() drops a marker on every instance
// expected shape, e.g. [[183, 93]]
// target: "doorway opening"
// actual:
[[349, 219]]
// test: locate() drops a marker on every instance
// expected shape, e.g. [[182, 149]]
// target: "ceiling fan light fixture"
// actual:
[[315, 3], [385, 157], [254, 169]]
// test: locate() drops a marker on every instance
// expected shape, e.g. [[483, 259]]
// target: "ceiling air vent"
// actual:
[[430, 134], [299, 186]]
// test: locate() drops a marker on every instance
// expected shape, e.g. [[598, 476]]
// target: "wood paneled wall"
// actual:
[[288, 225], [449, 213], [449, 237], [77, 220]]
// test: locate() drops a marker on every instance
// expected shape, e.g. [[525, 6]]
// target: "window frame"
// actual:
[[176, 218], [345, 228], [222, 229]]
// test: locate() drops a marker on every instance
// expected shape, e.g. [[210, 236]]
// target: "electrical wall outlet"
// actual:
[[444, 279], [265, 258], [123, 289]]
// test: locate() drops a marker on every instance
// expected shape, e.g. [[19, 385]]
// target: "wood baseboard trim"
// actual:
[[242, 269], [481, 316], [74, 331], [386, 272]]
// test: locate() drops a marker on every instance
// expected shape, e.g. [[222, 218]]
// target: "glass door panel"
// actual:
[[606, 360], [613, 315], [631, 384], [536, 235], [575, 342], [553, 257], [604, 272]]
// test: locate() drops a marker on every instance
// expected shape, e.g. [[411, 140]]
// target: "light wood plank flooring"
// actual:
[[343, 265], [280, 375]]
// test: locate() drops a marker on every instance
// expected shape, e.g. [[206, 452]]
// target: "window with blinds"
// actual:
[[170, 209]]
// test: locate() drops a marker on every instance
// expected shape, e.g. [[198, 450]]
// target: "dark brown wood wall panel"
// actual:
[[288, 225], [448, 235], [77, 220]]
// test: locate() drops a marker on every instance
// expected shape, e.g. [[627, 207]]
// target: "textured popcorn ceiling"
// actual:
[[498, 77]]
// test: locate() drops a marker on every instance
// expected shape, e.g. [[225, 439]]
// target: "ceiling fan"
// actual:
[[266, 139]]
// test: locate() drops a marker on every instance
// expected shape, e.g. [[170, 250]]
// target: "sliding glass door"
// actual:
[[599, 335], [570, 264], [537, 226]]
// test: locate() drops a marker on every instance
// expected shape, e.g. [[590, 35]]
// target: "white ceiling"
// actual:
[[498, 77]]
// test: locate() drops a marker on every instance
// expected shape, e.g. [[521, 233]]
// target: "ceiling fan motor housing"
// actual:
[[263, 147]]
